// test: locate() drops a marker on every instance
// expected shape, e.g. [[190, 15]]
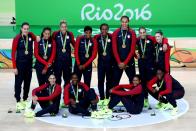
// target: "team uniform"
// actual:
[[83, 95], [169, 88], [124, 43], [63, 60], [162, 58], [146, 62], [131, 96], [22, 58], [48, 98], [105, 64], [85, 53], [44, 52]]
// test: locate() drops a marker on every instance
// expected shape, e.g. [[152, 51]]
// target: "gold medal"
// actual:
[[26, 44], [143, 48], [87, 55], [104, 46], [87, 46], [104, 53], [124, 39], [63, 50], [45, 47], [26, 52], [123, 46], [45, 57], [75, 93]]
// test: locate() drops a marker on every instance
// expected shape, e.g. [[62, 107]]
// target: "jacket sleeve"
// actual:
[[151, 83], [53, 54], [54, 35], [115, 47], [86, 88], [118, 87], [56, 93], [168, 81], [165, 40], [133, 91], [33, 36], [36, 54], [167, 60], [38, 89], [73, 42], [14, 49], [76, 51]]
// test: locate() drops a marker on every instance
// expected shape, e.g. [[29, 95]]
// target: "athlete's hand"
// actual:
[[125, 66], [110, 90], [44, 71], [38, 38], [165, 47], [16, 71], [34, 98], [159, 97], [49, 65], [154, 91], [81, 67], [73, 102], [137, 54], [121, 65]]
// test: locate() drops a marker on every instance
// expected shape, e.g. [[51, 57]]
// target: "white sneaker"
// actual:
[[29, 113], [174, 111], [19, 107], [24, 104], [167, 106]]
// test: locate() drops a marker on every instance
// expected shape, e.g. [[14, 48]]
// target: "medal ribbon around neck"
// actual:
[[63, 41], [26, 43], [75, 93], [87, 47], [143, 48], [161, 84], [51, 89], [45, 47], [124, 38], [106, 43]]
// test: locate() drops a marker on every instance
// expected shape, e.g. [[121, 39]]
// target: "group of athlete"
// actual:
[[116, 52]]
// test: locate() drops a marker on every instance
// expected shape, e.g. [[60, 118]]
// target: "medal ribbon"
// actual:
[[87, 46], [51, 89], [75, 93], [106, 43], [45, 46], [143, 48], [124, 37], [26, 43], [63, 41], [160, 84]]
